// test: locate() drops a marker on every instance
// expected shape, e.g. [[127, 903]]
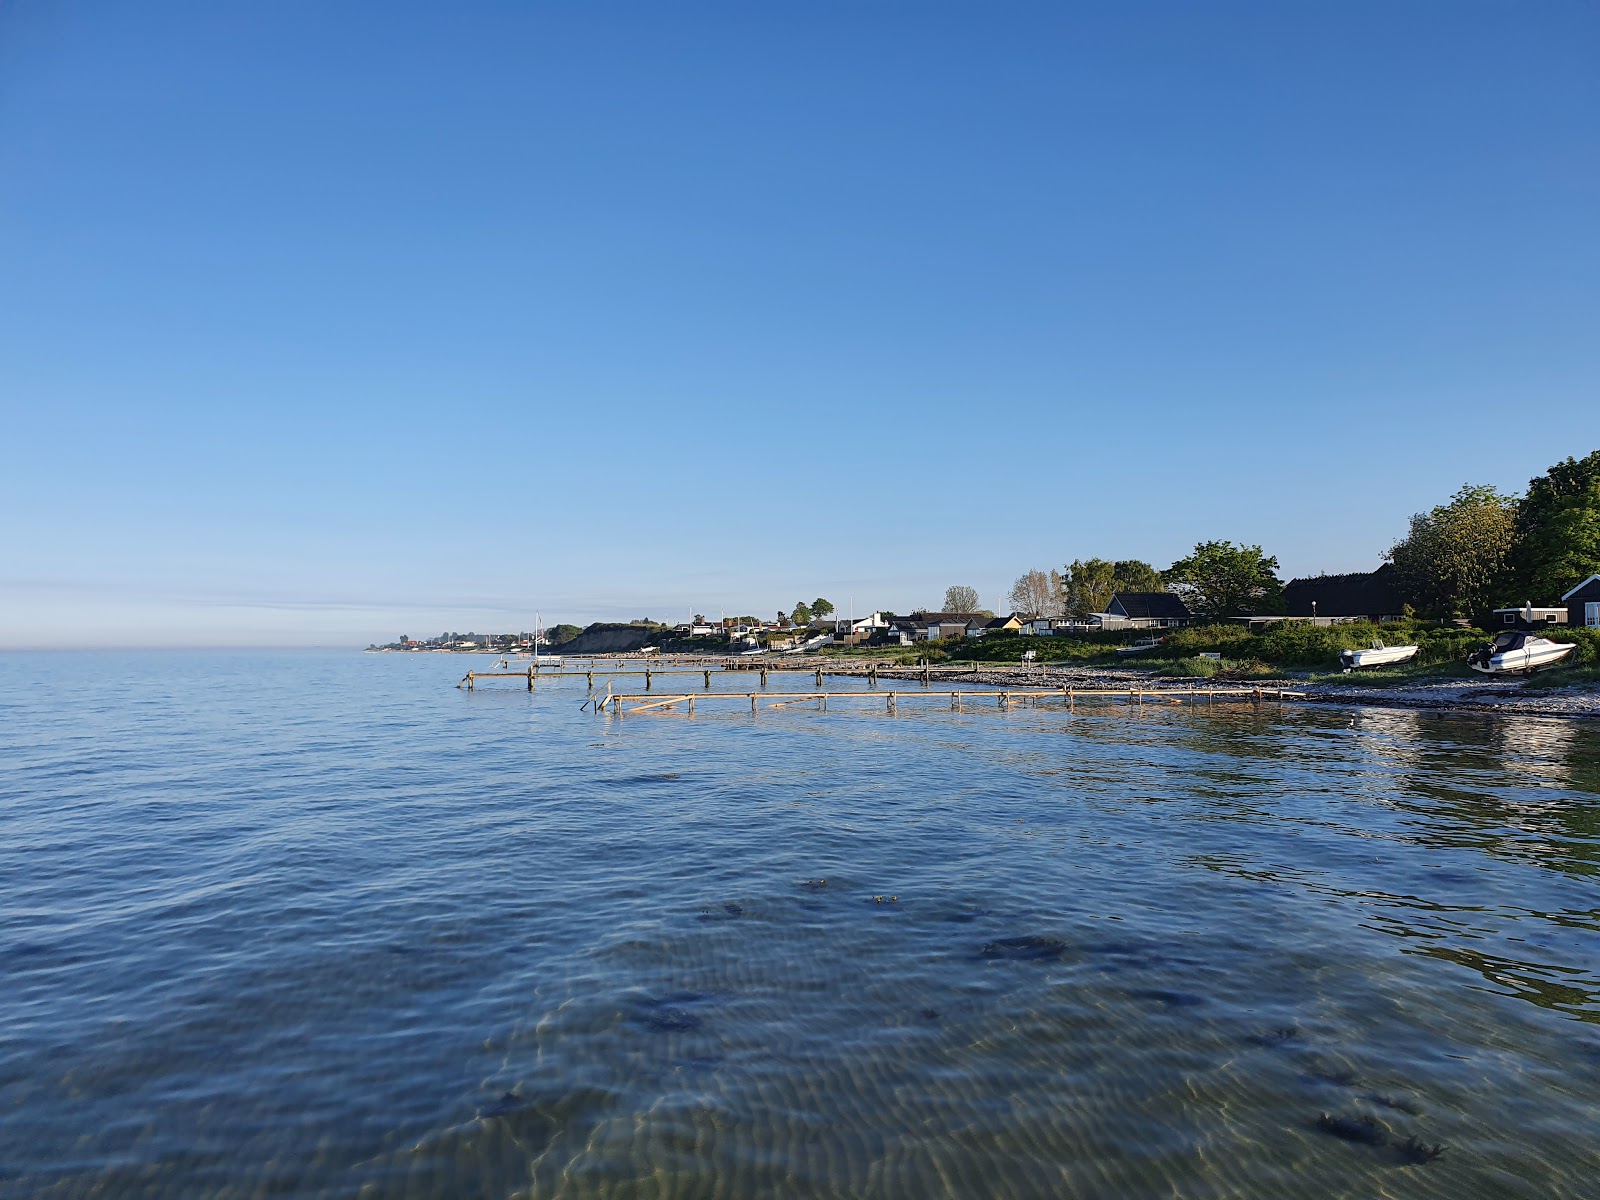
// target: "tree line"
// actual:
[[1217, 578], [1481, 549], [1485, 549]]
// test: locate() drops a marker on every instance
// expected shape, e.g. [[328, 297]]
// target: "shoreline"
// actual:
[[1454, 695]]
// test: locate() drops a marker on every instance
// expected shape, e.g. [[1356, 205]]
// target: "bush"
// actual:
[[1304, 644], [1192, 639]]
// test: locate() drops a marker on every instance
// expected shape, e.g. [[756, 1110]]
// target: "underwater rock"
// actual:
[[1029, 948]]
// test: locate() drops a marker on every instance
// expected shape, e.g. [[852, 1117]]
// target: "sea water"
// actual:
[[325, 925]]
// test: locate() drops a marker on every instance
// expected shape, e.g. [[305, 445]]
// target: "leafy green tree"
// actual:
[[1131, 575], [960, 599], [1557, 533], [560, 635], [1220, 579], [1087, 586], [802, 613], [1453, 560], [821, 609]]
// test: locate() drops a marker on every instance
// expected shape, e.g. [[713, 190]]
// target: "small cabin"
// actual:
[[1583, 603], [1527, 615]]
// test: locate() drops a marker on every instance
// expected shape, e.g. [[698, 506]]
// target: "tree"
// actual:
[[1087, 586], [960, 599], [1223, 580], [1557, 533], [1131, 575], [821, 609], [1453, 560], [560, 635], [802, 613], [1037, 594]]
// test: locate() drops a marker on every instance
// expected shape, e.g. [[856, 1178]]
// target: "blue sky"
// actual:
[[325, 323]]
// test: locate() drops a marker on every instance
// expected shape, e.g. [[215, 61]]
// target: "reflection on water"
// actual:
[[323, 925]]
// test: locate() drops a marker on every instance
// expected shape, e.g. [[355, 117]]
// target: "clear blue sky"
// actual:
[[323, 323]]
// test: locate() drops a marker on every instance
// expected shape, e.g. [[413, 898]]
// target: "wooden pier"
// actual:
[[868, 671], [1003, 697]]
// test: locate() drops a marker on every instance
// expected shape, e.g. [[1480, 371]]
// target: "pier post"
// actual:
[[647, 679], [530, 677], [469, 681], [752, 704], [763, 677], [708, 680]]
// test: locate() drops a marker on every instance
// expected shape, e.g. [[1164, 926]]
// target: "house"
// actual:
[[1527, 615], [926, 626], [1149, 610], [1583, 603], [1037, 627], [1010, 624], [1360, 595]]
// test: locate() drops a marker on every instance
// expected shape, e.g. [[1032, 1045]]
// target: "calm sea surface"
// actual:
[[323, 925]]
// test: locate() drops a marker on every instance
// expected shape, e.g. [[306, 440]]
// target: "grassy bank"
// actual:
[[1288, 645]]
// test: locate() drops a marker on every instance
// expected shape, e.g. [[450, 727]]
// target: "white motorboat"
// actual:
[[1376, 655], [1140, 647], [1516, 652]]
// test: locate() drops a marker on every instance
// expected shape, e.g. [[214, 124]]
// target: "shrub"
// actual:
[[1303, 644]]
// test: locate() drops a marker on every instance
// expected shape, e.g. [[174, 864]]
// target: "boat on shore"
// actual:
[[1376, 655], [1517, 652], [1140, 647]]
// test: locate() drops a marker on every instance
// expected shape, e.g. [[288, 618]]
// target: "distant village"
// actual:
[[1483, 557]]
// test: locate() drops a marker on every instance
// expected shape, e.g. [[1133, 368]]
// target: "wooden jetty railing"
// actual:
[[1004, 698], [868, 671]]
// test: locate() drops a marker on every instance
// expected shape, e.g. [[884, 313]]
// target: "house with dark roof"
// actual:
[[1583, 603], [1359, 595], [1149, 610]]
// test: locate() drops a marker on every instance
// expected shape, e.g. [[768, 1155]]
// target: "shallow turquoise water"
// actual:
[[324, 925]]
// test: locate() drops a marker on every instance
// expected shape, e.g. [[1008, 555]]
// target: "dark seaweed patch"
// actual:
[[1274, 1038], [1398, 1103], [1414, 1151], [671, 1013], [1368, 1131], [508, 1103], [1030, 948], [1338, 1076], [815, 885], [670, 1020], [929, 1014], [1170, 998]]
